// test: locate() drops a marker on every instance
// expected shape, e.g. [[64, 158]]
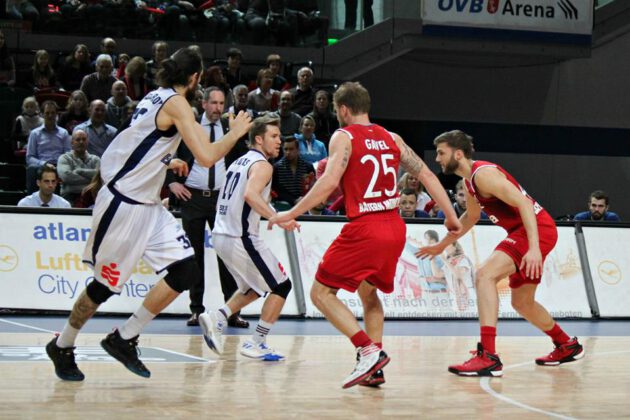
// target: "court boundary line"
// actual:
[[484, 383], [19, 324]]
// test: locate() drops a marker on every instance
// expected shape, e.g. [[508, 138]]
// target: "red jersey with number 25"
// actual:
[[369, 183], [499, 212]]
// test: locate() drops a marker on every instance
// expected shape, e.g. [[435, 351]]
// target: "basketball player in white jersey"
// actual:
[[243, 199], [129, 221]]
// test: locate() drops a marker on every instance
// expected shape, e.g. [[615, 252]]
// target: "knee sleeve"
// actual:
[[283, 289], [181, 275], [97, 292]]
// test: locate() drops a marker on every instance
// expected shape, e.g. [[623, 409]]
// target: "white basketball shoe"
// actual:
[[212, 329], [261, 351]]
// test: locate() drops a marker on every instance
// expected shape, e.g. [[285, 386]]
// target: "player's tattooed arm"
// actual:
[[82, 311], [346, 156], [409, 160]]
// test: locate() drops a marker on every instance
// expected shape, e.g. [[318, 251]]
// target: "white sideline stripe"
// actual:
[[19, 324], [201, 359], [485, 385]]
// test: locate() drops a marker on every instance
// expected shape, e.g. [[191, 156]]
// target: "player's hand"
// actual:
[[290, 225], [240, 123], [278, 218], [180, 191], [532, 262], [453, 226], [179, 167], [430, 251]]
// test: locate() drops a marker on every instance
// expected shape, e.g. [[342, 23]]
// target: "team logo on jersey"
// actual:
[[110, 274]]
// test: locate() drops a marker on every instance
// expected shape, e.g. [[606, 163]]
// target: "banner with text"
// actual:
[[609, 261], [573, 17], [41, 267], [444, 287]]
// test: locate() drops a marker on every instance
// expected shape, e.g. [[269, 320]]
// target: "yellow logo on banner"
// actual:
[[609, 272], [8, 258]]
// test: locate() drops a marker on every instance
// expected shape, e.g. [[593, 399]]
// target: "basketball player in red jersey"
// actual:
[[364, 157], [532, 234]]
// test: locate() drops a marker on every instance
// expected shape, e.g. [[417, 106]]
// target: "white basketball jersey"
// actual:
[[135, 163], [234, 216]]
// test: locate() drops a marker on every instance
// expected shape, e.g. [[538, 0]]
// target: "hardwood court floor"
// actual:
[[308, 383]]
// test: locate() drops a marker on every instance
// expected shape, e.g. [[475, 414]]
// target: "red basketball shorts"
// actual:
[[367, 249], [516, 246]]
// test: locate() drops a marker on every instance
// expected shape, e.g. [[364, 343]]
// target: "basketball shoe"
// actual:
[[126, 352], [375, 380], [482, 364], [261, 351], [63, 359], [570, 351], [371, 359], [212, 330]]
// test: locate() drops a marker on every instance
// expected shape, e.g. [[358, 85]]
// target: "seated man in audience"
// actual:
[[321, 210], [232, 73], [408, 204], [460, 202], [240, 102], [598, 209], [116, 108], [274, 63], [303, 94], [45, 144], [289, 120], [77, 168], [45, 196], [98, 85], [292, 175], [100, 134]]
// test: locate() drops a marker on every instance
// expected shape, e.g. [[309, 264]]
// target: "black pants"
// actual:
[[195, 213]]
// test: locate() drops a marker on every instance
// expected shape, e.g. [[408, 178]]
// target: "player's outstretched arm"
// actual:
[[259, 176], [412, 163], [177, 111], [340, 148]]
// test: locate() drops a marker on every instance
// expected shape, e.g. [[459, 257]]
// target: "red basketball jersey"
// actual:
[[369, 183], [500, 213]]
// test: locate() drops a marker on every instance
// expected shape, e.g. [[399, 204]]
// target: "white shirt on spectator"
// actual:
[[34, 200]]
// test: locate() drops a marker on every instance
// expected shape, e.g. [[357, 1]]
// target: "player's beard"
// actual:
[[451, 166], [190, 94]]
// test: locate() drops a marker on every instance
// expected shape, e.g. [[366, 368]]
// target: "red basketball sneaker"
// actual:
[[375, 380], [570, 351], [482, 364]]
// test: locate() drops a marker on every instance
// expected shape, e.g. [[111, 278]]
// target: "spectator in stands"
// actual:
[[303, 94], [232, 73], [598, 209], [98, 85], [116, 107], [46, 178], [408, 204], [77, 167], [76, 111], [263, 98], [325, 120], [137, 85], [213, 76], [26, 122], [221, 21], [309, 20], [311, 149], [265, 17], [7, 65], [289, 120], [351, 13], [460, 203], [432, 208], [88, 195], [75, 67], [109, 46], [337, 195], [159, 52], [321, 210], [22, 10], [45, 145], [41, 76], [274, 62], [240, 101], [411, 182], [123, 60], [100, 134], [292, 175]]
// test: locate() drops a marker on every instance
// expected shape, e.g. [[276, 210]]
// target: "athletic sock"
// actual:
[[557, 334], [262, 329], [135, 323], [488, 335], [361, 339], [67, 337], [224, 312], [379, 345]]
